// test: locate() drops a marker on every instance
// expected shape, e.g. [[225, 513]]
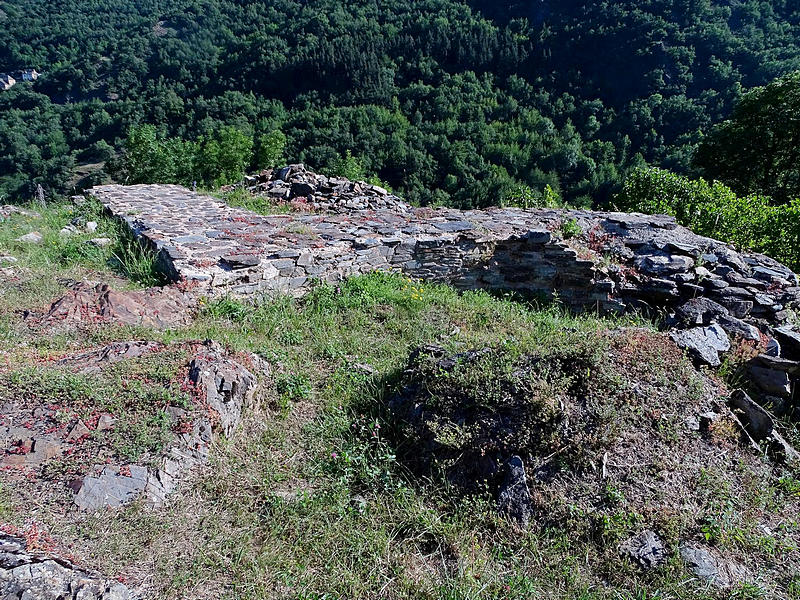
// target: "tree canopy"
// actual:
[[758, 149], [448, 101]]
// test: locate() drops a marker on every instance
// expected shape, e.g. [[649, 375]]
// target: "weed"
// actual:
[[570, 228]]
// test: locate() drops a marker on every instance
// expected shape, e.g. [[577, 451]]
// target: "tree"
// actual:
[[349, 167], [758, 149], [151, 158], [270, 149], [225, 156]]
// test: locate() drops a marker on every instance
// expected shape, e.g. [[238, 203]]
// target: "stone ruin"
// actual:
[[605, 262], [610, 263]]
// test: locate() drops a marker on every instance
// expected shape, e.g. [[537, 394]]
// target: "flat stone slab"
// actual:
[[619, 260], [111, 488]]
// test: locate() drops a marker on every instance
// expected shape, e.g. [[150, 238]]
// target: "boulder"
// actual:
[[703, 311], [228, 386]]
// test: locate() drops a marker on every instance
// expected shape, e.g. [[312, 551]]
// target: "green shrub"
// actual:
[[714, 210], [570, 228]]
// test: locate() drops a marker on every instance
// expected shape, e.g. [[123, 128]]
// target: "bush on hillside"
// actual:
[[714, 210]]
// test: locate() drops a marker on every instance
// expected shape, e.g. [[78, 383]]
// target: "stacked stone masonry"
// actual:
[[297, 187], [620, 261]]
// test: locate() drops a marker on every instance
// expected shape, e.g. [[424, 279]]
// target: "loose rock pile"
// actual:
[[309, 191]]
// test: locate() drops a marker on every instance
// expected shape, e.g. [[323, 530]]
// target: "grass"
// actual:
[[262, 205], [136, 393], [314, 497], [71, 256]]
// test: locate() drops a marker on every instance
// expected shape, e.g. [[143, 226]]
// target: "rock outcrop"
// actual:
[[52, 444], [91, 303], [224, 387], [30, 574]]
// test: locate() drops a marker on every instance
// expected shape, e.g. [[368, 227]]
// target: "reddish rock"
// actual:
[[160, 308]]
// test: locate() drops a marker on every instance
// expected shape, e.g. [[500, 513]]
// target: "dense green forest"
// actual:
[[468, 103]]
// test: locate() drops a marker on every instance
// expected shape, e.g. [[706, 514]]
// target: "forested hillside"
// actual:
[[464, 103]]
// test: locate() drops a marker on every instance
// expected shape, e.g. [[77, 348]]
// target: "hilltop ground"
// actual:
[[326, 492]]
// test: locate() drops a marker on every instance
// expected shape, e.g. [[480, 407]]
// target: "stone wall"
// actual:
[[618, 261]]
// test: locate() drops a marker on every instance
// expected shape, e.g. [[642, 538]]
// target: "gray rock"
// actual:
[[9, 209], [660, 265], [514, 497], [455, 226], [703, 343], [101, 242], [790, 341], [645, 548], [111, 488], [738, 328], [771, 381], [34, 237], [705, 565], [228, 385], [756, 421], [791, 367], [784, 451], [700, 311], [91, 226], [31, 575], [105, 422], [773, 348], [760, 426], [241, 261], [302, 189], [8, 259]]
